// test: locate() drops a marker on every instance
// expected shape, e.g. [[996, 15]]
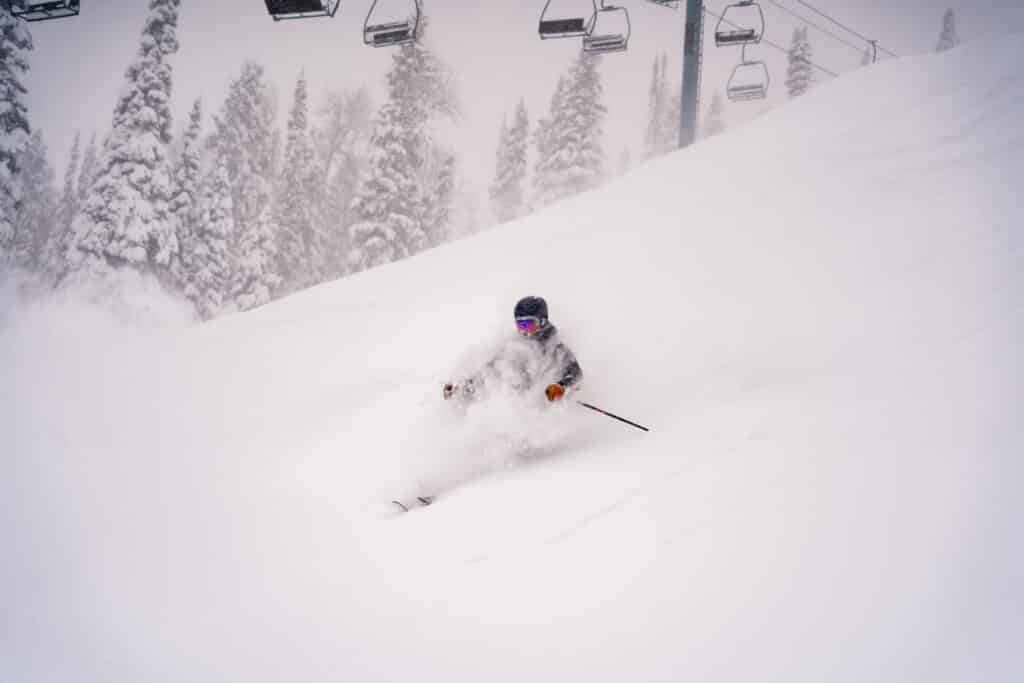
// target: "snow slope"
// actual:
[[819, 315]]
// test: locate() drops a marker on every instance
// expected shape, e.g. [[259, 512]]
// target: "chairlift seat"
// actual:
[[388, 34], [749, 30], [753, 91], [301, 9], [386, 29], [41, 10], [615, 42], [563, 28], [747, 35]]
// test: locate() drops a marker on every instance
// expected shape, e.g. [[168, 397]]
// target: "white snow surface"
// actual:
[[819, 316]]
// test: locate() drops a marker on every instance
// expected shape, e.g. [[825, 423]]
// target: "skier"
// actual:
[[537, 358]]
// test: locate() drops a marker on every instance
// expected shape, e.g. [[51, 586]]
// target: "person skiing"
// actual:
[[536, 358]]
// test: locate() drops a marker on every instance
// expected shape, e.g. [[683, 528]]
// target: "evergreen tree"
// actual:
[[948, 39], [208, 268], [185, 203], [799, 76], [298, 196], [35, 216], [714, 125], [570, 141], [498, 203], [657, 103], [245, 143], [507, 193], [390, 204], [342, 139], [673, 109], [87, 176], [546, 140], [67, 209], [439, 192], [125, 221], [15, 44]]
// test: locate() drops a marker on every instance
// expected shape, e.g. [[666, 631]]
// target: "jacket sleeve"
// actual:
[[571, 373]]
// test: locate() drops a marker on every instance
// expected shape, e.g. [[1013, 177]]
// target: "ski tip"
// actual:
[[400, 505]]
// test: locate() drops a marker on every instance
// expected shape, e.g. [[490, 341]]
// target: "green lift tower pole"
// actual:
[[693, 39]]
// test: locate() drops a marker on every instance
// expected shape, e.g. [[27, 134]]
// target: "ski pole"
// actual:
[[612, 415]]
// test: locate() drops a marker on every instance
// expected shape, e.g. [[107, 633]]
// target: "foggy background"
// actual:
[[78, 65]]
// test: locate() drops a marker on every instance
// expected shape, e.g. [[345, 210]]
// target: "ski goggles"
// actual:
[[529, 324]]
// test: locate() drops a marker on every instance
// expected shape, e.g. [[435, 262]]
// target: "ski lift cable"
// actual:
[[775, 45], [844, 26], [856, 48]]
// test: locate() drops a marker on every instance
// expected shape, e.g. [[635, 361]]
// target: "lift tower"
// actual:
[[693, 39]]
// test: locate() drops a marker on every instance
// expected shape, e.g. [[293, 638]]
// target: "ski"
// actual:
[[421, 501]]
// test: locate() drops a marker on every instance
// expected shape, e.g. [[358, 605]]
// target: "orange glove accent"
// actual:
[[555, 392]]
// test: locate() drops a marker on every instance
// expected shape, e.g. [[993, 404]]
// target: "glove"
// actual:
[[466, 389], [448, 390], [554, 392]]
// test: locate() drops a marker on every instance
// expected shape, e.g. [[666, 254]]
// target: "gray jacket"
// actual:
[[529, 363]]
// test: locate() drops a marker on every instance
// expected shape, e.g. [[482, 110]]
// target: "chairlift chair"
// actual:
[[671, 4], [608, 30], [567, 27], [749, 81], [41, 10], [748, 35], [378, 33], [301, 9]]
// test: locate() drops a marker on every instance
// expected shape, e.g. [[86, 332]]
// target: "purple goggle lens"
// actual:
[[528, 324]]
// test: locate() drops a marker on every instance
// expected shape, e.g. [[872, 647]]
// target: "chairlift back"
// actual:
[[749, 81], [608, 31], [563, 27], [388, 33], [301, 9], [749, 33], [42, 10]]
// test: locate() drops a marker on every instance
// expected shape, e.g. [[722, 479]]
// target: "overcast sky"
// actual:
[[78, 64]]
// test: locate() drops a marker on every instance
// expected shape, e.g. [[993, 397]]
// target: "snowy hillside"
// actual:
[[819, 315]]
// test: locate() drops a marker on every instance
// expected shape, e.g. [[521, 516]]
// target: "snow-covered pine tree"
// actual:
[[672, 117], [948, 39], [299, 193], [245, 142], [67, 208], [799, 76], [185, 205], [519, 141], [570, 142], [35, 215], [507, 192], [87, 176], [501, 167], [391, 202], [342, 138], [125, 221], [438, 195], [546, 141], [713, 124], [15, 44], [208, 274], [657, 105]]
